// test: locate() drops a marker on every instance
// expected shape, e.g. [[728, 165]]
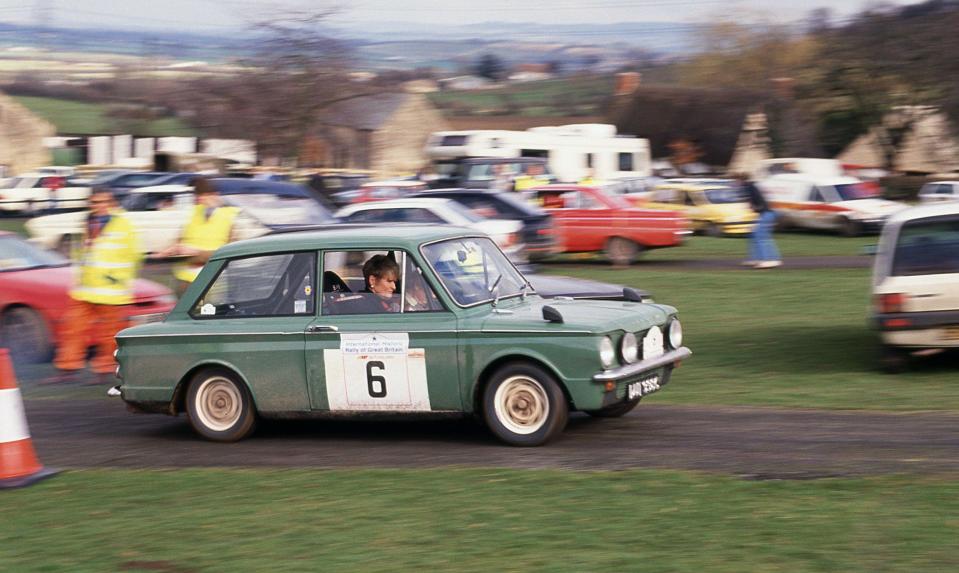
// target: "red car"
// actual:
[[587, 219], [34, 286]]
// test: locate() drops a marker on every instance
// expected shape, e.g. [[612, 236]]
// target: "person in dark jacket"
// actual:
[[763, 253]]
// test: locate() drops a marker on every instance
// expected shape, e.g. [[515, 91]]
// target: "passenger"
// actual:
[[535, 176]]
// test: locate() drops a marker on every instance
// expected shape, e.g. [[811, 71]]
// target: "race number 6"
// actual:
[[375, 384]]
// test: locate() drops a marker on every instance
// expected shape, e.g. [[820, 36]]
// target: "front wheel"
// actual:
[[524, 406], [219, 407], [621, 252], [851, 228]]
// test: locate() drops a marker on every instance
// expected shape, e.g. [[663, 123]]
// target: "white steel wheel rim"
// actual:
[[521, 405], [218, 403]]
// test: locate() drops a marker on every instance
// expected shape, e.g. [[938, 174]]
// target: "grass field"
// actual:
[[90, 118], [582, 95], [784, 338], [475, 520]]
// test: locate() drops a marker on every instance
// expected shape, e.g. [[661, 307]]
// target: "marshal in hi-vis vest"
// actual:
[[206, 234], [108, 263]]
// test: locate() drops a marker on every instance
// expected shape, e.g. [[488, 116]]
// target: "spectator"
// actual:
[[763, 253], [109, 255], [209, 228]]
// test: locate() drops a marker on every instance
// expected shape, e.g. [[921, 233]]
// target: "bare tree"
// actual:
[[280, 92]]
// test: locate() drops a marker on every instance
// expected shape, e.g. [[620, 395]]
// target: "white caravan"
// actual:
[[572, 151]]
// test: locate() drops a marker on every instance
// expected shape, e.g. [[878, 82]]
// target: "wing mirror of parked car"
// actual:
[[550, 314]]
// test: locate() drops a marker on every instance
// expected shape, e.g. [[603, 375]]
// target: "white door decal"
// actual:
[[376, 371]]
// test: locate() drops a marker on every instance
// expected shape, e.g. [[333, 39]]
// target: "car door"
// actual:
[[252, 318], [361, 357], [589, 222]]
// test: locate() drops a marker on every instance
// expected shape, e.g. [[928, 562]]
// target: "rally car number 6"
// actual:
[[376, 372]]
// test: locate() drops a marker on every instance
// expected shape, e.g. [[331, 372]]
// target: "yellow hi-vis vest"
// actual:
[[108, 264], [524, 182], [206, 235], [588, 181]]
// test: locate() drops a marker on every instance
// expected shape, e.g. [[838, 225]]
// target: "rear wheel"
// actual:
[[614, 411], [893, 360], [621, 252], [524, 406], [851, 228], [713, 230], [219, 406], [24, 332]]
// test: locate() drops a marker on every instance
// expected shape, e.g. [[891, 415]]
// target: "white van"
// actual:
[[939, 191], [831, 202], [916, 283]]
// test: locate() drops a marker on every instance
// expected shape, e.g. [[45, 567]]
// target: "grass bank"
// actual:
[[475, 520]]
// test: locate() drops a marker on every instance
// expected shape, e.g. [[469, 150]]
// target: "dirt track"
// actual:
[[759, 443]]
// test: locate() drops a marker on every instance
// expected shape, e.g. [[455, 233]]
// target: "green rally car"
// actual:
[[288, 325]]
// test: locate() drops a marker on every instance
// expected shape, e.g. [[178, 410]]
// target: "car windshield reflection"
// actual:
[[473, 270], [18, 255]]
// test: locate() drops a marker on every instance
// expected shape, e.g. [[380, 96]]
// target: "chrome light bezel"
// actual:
[[675, 334], [607, 352], [629, 348]]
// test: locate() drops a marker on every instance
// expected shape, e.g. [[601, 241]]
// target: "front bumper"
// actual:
[[637, 370]]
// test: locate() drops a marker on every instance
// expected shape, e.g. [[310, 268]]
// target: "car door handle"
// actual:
[[314, 328]]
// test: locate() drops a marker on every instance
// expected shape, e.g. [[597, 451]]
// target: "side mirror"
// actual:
[[870, 250], [550, 314]]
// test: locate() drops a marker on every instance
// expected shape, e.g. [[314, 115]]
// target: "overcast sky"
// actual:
[[199, 15]]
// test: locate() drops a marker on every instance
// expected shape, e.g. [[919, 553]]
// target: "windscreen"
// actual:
[[474, 270], [18, 255], [927, 246]]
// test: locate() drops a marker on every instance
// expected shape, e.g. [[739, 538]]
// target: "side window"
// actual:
[[625, 161], [688, 199], [422, 216], [269, 285], [374, 282], [815, 194], [368, 216]]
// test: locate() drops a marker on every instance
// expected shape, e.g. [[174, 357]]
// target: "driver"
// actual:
[[380, 274]]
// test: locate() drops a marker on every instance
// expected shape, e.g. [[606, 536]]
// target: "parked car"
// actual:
[[32, 193], [538, 234], [916, 283], [480, 172], [588, 220], [463, 334], [506, 233], [378, 191], [122, 184], [939, 191], [714, 208], [325, 185], [160, 213], [34, 296], [835, 203]]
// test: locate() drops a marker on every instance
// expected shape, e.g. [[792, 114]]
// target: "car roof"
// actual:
[[406, 203], [346, 236], [924, 211]]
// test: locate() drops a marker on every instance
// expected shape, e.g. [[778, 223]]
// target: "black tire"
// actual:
[[622, 252], [24, 332], [851, 228], [712, 230], [614, 411], [523, 405], [219, 406], [893, 360]]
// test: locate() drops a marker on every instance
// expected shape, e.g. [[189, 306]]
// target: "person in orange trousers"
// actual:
[[108, 262]]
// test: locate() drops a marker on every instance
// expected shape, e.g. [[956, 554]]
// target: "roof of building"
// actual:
[[368, 112]]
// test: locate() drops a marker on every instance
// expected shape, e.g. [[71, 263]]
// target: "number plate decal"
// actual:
[[376, 372], [642, 388]]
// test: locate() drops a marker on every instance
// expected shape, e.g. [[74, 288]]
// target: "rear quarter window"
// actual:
[[927, 246]]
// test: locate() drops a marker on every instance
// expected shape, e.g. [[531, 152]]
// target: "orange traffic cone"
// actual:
[[18, 462]]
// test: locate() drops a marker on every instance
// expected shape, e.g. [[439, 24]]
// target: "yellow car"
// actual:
[[714, 207]]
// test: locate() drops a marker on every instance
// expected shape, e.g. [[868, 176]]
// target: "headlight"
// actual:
[[607, 353], [629, 348], [675, 333]]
